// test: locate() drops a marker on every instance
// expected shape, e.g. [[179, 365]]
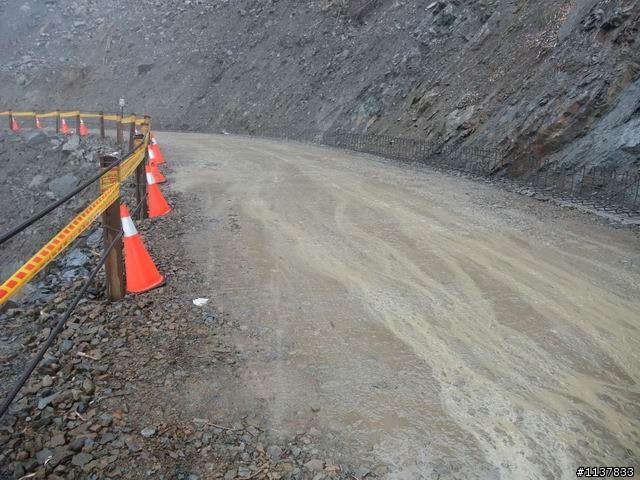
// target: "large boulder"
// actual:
[[63, 185], [36, 137], [72, 144]]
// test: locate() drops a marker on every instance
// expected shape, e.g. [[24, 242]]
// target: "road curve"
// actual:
[[436, 326]]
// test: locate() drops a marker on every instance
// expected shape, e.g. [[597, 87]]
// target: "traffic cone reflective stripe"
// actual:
[[157, 174], [128, 227], [156, 150], [158, 206], [38, 124], [84, 131], [65, 128], [14, 125], [140, 272]]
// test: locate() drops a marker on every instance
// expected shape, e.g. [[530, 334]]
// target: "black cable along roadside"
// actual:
[[49, 208]]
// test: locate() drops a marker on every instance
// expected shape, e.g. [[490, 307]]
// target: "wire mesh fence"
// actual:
[[607, 189]]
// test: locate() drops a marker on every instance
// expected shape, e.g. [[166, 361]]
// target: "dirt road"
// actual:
[[436, 326]]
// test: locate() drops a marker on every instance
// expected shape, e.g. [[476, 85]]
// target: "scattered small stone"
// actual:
[[57, 440], [75, 258], [46, 401], [132, 443], [66, 346], [77, 444], [95, 238], [148, 432], [314, 465], [43, 455], [87, 386], [60, 455], [107, 437], [274, 452], [81, 459]]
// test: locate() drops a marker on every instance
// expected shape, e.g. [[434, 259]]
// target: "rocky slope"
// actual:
[[558, 78]]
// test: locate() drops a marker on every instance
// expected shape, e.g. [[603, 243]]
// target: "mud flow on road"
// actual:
[[430, 323]]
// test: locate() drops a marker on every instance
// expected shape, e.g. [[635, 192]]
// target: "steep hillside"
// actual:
[[558, 78]]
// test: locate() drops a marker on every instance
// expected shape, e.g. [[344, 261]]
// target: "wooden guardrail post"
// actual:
[[57, 122], [141, 182], [10, 119], [132, 133], [101, 124], [78, 124], [111, 226]]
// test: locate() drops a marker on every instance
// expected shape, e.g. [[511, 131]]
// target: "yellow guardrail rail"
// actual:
[[109, 187], [107, 117], [58, 243]]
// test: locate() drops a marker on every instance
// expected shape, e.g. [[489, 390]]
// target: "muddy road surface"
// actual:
[[435, 326]]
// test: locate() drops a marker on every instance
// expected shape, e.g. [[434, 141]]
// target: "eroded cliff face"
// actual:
[[553, 78]]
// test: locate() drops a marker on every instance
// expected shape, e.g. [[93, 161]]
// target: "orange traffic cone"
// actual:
[[157, 151], [84, 131], [157, 174], [65, 128], [158, 206], [14, 125], [38, 124], [140, 271]]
